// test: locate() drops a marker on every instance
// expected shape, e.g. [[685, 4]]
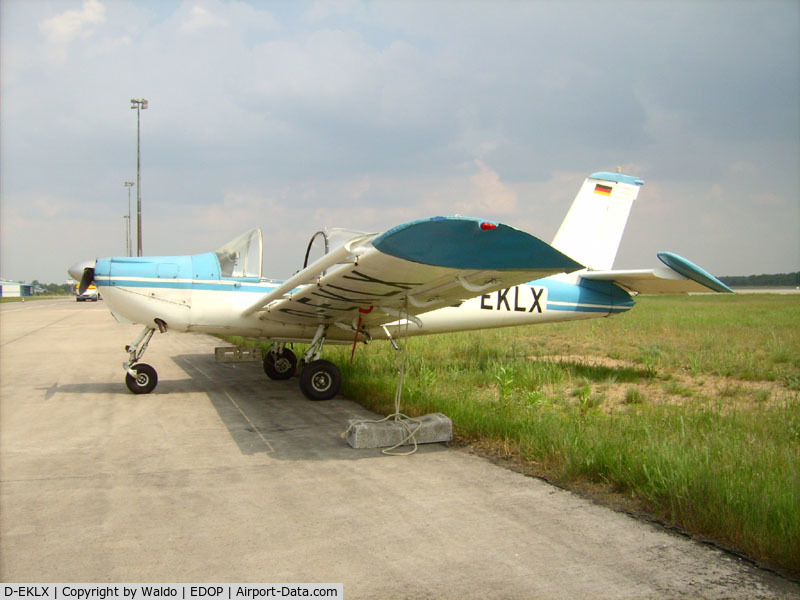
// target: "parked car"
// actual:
[[90, 294]]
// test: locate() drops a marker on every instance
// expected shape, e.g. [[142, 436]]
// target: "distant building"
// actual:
[[15, 289]]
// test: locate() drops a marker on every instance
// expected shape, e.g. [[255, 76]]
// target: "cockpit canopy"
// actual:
[[241, 257]]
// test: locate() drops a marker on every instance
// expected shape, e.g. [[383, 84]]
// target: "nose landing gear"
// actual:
[[141, 378], [145, 381]]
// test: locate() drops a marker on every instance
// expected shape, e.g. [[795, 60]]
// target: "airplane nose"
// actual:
[[76, 270]]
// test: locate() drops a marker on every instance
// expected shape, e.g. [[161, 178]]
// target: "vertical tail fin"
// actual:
[[592, 229]]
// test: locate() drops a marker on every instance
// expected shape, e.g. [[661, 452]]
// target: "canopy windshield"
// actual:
[[241, 257]]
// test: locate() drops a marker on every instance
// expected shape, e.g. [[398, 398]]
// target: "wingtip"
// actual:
[[691, 271]]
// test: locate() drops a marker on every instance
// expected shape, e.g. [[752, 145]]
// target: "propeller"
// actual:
[[83, 272]]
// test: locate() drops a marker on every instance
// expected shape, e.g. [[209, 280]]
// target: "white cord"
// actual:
[[404, 420]]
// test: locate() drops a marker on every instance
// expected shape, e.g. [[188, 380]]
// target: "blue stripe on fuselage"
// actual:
[[226, 285], [588, 296]]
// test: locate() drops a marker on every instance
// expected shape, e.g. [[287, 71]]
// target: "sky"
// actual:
[[295, 116]]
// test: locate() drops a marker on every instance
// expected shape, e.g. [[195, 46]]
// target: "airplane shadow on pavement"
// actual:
[[269, 416], [262, 416]]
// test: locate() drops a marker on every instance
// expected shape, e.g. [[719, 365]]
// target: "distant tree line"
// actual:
[[55, 289], [778, 279]]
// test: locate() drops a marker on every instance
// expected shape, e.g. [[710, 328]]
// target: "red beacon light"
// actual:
[[486, 225]]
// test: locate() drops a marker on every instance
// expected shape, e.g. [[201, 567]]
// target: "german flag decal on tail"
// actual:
[[605, 190]]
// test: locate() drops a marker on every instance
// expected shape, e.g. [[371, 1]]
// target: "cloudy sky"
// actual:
[[294, 116]]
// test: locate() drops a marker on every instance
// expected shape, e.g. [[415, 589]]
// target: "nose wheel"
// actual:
[[145, 381], [141, 378]]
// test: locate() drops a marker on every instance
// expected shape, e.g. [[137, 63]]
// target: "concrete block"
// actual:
[[434, 427], [228, 354]]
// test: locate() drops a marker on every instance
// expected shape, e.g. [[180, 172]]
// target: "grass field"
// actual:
[[685, 408]]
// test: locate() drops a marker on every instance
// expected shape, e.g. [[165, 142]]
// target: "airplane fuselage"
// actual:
[[189, 295]]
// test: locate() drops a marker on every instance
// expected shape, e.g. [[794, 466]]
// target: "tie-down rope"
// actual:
[[405, 421]]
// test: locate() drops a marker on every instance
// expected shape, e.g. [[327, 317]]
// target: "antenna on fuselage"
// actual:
[[311, 243]]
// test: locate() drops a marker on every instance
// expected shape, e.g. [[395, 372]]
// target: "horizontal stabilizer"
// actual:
[[678, 276], [691, 271]]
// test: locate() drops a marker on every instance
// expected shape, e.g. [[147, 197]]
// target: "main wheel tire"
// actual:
[[145, 381], [280, 365], [320, 380]]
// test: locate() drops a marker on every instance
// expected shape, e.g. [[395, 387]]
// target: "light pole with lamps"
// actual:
[[128, 185], [126, 228], [138, 105]]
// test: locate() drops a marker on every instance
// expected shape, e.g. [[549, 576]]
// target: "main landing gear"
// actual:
[[319, 379], [280, 362]]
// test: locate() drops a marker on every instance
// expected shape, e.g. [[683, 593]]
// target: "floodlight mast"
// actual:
[[138, 105], [126, 223], [128, 184]]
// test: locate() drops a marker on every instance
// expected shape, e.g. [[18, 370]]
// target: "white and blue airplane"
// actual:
[[433, 275]]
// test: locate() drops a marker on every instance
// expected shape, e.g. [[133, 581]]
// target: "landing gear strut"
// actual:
[[141, 378]]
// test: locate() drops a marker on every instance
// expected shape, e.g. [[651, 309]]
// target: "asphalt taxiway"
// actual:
[[222, 475]]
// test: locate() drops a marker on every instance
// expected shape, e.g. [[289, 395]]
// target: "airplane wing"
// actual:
[[677, 276], [411, 269]]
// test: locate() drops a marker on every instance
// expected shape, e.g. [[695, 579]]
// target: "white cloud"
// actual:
[[360, 187], [200, 19], [320, 10], [65, 27], [490, 195]]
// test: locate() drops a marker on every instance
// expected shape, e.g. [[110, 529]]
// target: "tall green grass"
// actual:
[[750, 336]]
